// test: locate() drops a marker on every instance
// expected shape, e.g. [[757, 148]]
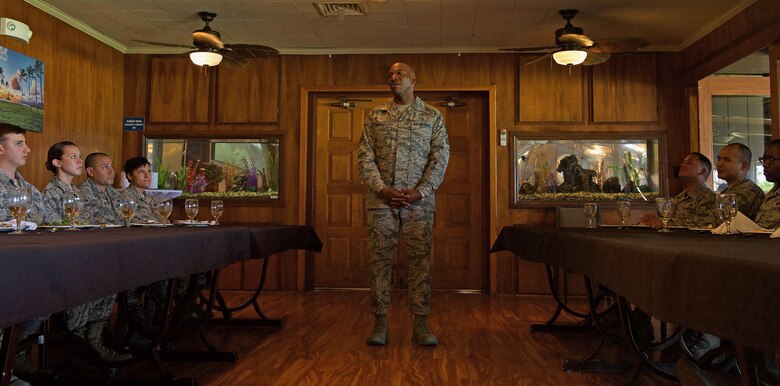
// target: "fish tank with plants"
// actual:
[[585, 169], [216, 168]]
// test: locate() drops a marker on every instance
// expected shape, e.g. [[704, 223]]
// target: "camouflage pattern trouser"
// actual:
[[95, 310], [383, 229]]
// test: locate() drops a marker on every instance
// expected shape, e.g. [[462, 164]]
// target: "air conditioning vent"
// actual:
[[339, 9]]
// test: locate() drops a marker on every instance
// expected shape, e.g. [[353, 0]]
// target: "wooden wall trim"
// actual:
[[774, 87], [755, 28]]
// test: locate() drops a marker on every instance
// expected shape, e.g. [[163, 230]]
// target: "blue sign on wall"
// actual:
[[133, 124]]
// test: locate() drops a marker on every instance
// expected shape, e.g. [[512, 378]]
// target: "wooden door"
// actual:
[[459, 247]]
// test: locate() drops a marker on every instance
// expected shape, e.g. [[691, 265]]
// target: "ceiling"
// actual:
[[391, 26]]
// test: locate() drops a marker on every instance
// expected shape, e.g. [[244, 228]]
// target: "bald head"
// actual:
[[401, 78]]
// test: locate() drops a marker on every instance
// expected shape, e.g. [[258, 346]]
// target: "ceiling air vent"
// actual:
[[341, 9]]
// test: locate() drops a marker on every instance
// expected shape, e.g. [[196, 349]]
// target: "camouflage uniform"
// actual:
[[95, 310], [749, 197], [695, 210], [404, 150], [769, 215], [100, 207], [145, 206], [56, 191], [39, 212]]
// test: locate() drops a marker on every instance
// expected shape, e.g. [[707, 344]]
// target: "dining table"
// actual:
[[725, 285], [49, 269]]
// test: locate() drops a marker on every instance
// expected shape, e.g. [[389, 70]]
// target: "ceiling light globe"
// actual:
[[571, 57], [205, 58]]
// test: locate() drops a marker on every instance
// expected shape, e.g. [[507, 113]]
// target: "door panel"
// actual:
[[459, 252]]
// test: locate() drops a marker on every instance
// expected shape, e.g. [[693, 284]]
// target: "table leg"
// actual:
[[262, 321], [8, 351]]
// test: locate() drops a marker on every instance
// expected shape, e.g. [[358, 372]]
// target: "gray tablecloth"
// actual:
[[725, 285], [45, 272]]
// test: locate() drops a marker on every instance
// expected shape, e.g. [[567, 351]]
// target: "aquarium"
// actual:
[[225, 168], [587, 169]]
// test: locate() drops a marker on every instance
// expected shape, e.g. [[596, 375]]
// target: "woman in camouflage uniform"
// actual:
[[87, 320]]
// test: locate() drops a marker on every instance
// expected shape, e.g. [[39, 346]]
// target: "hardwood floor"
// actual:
[[483, 340]]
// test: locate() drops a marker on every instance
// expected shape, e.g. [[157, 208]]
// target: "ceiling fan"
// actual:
[[209, 48], [572, 47]]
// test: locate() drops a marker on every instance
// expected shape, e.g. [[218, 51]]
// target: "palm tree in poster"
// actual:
[[38, 71]]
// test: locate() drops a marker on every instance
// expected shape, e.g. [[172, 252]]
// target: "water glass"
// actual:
[[726, 206], [664, 207], [216, 210], [591, 209], [127, 208], [72, 207], [164, 209], [19, 200], [191, 207], [623, 210]]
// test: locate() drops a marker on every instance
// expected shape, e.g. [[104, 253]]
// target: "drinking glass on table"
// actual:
[[70, 209], [164, 209], [664, 207], [623, 210], [591, 209], [216, 210], [19, 200], [726, 206], [127, 208], [191, 207], [79, 203]]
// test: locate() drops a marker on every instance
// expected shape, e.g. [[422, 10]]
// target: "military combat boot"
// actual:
[[94, 335], [378, 335], [421, 334]]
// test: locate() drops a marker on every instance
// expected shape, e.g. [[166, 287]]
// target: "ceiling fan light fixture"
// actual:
[[205, 58], [570, 56]]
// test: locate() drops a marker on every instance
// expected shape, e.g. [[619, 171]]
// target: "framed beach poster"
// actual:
[[21, 90]]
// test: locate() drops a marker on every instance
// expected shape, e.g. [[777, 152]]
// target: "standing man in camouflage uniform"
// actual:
[[402, 157], [13, 155], [769, 214], [86, 320], [695, 206], [733, 165], [100, 198]]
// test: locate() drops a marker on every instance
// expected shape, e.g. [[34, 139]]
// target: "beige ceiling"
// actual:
[[392, 26]]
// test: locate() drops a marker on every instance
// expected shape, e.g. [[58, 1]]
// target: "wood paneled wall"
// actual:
[[630, 93], [82, 89]]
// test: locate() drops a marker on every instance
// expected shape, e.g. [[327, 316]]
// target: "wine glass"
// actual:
[[70, 207], [726, 205], [18, 203], [79, 208], [664, 206], [216, 210], [191, 207], [127, 208], [591, 209], [164, 209], [623, 210]]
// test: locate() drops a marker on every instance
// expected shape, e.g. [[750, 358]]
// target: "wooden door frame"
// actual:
[[305, 266]]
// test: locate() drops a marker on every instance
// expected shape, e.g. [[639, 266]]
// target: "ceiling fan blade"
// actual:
[[202, 37], [234, 58], [163, 44], [594, 58], [540, 58], [250, 51], [528, 49], [619, 45], [578, 39]]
